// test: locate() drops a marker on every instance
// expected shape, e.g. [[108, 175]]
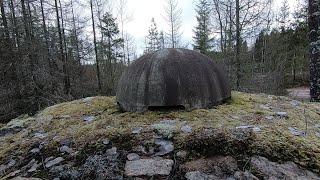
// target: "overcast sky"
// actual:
[[143, 10]]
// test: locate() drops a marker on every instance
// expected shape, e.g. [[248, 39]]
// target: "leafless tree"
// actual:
[[173, 18]]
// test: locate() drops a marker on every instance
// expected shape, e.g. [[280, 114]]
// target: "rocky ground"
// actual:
[[250, 137]]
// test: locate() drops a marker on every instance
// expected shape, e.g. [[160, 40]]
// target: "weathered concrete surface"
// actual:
[[172, 77]]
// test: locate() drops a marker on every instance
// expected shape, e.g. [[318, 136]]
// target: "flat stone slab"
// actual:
[[148, 167]]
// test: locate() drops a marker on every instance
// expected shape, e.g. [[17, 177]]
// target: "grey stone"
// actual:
[[136, 130], [4, 167], [197, 175], [133, 156], [35, 150], [111, 151], [54, 162], [148, 167], [282, 114], [65, 149], [254, 128], [48, 159], [272, 170], [34, 167], [318, 134], [269, 118], [159, 79], [105, 141], [88, 118], [182, 154], [14, 173], [265, 107], [87, 100], [40, 135], [186, 129], [295, 103], [296, 132], [235, 117], [239, 175], [165, 147]]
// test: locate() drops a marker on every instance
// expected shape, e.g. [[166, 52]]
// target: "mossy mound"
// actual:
[[275, 127]]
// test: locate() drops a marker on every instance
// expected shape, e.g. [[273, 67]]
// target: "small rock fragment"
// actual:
[[265, 107], [40, 135], [54, 162], [269, 118], [34, 167], [65, 149], [35, 150], [133, 156], [256, 129], [235, 117], [105, 141], [282, 114], [14, 173], [186, 129], [296, 132], [87, 100], [182, 154], [148, 167], [112, 151], [48, 159], [295, 103], [88, 118], [197, 175], [136, 130], [165, 147]]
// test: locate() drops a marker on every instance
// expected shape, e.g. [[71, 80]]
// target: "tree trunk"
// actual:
[[238, 44], [63, 35], [75, 35], [45, 32], [5, 22], [216, 4], [95, 48], [15, 28], [64, 66], [314, 16]]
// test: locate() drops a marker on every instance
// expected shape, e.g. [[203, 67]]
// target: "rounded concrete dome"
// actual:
[[172, 78]]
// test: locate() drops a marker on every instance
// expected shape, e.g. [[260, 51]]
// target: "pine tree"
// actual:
[[202, 40], [153, 38], [162, 40], [111, 46]]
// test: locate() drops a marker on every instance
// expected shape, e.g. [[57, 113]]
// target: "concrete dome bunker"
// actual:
[[172, 78]]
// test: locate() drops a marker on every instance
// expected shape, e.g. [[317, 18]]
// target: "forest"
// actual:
[[61, 50]]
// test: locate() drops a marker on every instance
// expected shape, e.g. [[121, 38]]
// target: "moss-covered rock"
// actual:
[[246, 126]]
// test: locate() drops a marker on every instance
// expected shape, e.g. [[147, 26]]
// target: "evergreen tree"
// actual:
[[153, 38], [202, 40], [111, 45], [162, 40]]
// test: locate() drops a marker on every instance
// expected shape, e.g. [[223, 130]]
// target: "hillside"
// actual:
[[254, 136]]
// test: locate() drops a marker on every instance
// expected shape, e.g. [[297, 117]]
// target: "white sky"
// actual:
[[143, 10]]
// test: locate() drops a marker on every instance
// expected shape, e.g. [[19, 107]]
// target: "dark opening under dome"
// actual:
[[172, 78]]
